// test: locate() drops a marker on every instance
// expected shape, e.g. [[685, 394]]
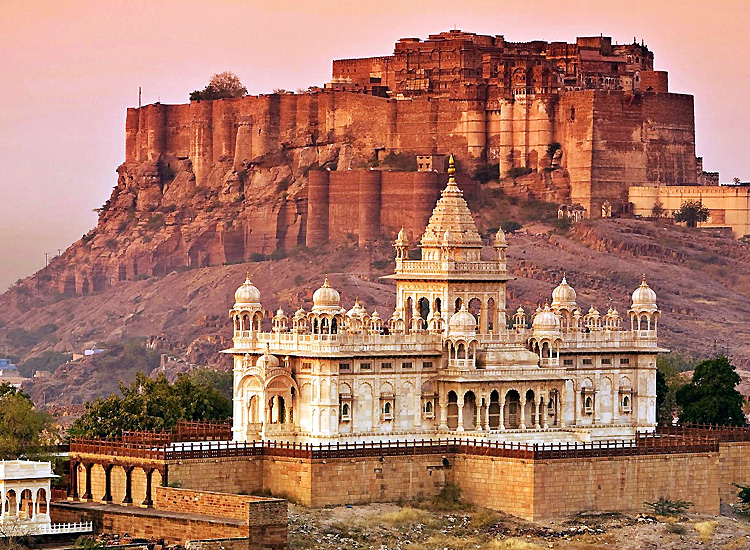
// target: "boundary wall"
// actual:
[[179, 515], [530, 481]]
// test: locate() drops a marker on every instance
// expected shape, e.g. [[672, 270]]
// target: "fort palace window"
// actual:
[[305, 366], [568, 362], [386, 366], [345, 412], [407, 365], [429, 409], [588, 361], [625, 360], [427, 365], [345, 366], [606, 361], [365, 366]]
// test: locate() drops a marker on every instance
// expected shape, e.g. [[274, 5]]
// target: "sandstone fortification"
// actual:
[[216, 182]]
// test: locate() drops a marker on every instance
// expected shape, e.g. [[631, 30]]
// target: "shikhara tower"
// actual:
[[449, 360]]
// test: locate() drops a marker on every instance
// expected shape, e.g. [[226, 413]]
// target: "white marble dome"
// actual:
[[644, 296], [247, 295], [564, 295], [546, 320], [463, 321], [267, 361], [326, 297]]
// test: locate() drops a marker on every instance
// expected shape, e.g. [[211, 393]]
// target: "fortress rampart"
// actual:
[[368, 204]]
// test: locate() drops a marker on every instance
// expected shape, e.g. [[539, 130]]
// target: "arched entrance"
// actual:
[[452, 418], [494, 410], [470, 411], [512, 410]]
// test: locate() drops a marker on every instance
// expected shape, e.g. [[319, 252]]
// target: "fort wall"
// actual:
[[610, 139], [529, 488], [729, 206], [367, 204]]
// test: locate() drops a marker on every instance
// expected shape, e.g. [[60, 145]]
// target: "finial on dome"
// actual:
[[325, 283], [451, 169], [247, 275], [643, 280]]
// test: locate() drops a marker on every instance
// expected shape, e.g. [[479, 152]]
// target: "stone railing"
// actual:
[[641, 445], [341, 342], [437, 267]]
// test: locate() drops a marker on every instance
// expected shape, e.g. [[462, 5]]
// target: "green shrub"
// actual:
[[156, 221], [402, 162], [511, 226], [487, 172], [518, 171], [278, 254], [258, 257], [666, 507]]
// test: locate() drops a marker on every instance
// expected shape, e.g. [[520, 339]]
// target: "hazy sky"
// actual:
[[70, 69]]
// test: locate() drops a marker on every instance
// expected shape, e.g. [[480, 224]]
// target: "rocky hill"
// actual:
[[702, 279]]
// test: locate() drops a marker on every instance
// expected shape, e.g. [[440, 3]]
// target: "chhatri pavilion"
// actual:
[[450, 360]]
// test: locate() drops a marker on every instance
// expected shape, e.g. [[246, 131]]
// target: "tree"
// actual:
[[711, 397], [669, 379], [153, 404], [692, 213], [24, 431], [221, 85], [658, 210]]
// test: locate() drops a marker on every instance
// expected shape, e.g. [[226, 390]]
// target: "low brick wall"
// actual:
[[734, 467], [146, 523], [203, 502]]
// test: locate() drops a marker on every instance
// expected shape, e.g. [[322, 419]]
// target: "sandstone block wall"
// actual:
[[227, 475], [625, 483], [361, 480], [117, 519], [505, 484], [734, 467]]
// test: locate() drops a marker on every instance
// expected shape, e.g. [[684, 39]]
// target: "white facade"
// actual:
[[25, 487], [450, 360]]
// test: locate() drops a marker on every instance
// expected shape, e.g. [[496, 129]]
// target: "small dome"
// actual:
[[326, 297], [402, 238], [463, 321], [247, 295], [593, 312], [396, 315], [375, 315], [299, 314], [267, 361], [279, 312], [357, 310], [546, 320], [644, 296], [563, 295], [500, 238]]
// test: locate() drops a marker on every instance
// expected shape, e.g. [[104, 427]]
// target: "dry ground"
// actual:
[[391, 527]]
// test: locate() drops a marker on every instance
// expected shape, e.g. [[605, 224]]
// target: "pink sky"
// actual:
[[70, 69]]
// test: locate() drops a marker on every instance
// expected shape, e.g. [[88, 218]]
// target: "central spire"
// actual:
[[451, 224]]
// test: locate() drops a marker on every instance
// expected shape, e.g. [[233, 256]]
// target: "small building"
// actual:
[[431, 163], [728, 205], [25, 486]]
